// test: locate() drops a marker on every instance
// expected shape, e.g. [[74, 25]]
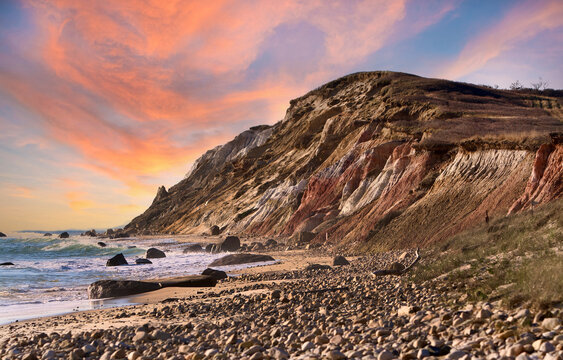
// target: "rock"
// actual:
[[118, 354], [6, 264], [49, 354], [307, 346], [235, 259], [406, 310], [119, 234], [336, 355], [318, 267], [88, 349], [340, 260], [515, 350], [483, 314], [279, 353], [385, 355], [270, 243], [304, 237], [231, 243], [159, 335], [216, 274], [457, 354], [2, 234], [117, 260], [102, 244], [30, 356], [142, 261], [140, 336], [189, 281], [47, 234], [546, 347], [209, 248], [397, 266], [154, 253], [193, 248], [215, 230], [64, 235], [550, 323], [91, 233], [113, 288], [161, 194]]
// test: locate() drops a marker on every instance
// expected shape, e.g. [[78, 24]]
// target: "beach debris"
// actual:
[[117, 260], [154, 253], [340, 260], [216, 274], [235, 259], [397, 268], [142, 261], [64, 235]]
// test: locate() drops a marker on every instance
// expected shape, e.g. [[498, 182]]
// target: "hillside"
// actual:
[[374, 160]]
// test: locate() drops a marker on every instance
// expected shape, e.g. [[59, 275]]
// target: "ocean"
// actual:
[[50, 275]]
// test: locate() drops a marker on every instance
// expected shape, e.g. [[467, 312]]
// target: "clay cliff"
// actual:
[[375, 160]]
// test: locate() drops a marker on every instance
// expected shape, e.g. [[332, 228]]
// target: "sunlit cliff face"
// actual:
[[101, 102]]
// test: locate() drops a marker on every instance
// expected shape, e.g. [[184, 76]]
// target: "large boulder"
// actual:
[[6, 264], [340, 260], [235, 259], [193, 248], [216, 274], [189, 281], [231, 243], [113, 288], [117, 260], [154, 253], [2, 234], [64, 235], [304, 237], [215, 230]]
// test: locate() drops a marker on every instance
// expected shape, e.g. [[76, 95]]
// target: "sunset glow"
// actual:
[[101, 102]]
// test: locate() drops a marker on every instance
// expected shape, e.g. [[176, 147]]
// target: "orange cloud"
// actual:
[[523, 22]]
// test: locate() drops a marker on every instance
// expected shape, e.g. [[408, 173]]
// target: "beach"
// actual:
[[283, 311]]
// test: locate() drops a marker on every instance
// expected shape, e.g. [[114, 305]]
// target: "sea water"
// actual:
[[51, 275]]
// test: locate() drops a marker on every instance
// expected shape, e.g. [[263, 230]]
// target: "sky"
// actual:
[[103, 101]]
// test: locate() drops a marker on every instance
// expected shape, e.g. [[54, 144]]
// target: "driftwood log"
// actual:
[[397, 268]]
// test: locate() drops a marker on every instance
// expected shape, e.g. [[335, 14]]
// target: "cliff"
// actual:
[[375, 160]]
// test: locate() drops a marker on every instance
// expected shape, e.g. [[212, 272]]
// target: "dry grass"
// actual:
[[516, 258]]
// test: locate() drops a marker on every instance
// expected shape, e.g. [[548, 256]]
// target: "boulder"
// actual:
[[117, 260], [256, 246], [119, 234], [216, 274], [6, 264], [231, 243], [270, 243], [189, 281], [397, 266], [47, 234], [91, 233], [340, 260], [64, 235], [304, 237], [235, 259], [193, 248], [142, 261], [154, 253], [318, 267], [215, 230], [113, 288], [109, 232], [2, 234], [209, 248], [102, 244]]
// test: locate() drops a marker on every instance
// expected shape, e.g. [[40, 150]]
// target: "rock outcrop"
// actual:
[[2, 234], [64, 235], [154, 253], [374, 160]]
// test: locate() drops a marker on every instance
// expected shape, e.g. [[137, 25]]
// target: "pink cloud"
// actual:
[[523, 22]]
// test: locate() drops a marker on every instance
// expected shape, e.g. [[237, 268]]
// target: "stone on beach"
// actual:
[[216, 274], [189, 281], [340, 260], [114, 288], [154, 253], [102, 244], [142, 261], [231, 243], [117, 260], [64, 235], [235, 259], [317, 267], [193, 248]]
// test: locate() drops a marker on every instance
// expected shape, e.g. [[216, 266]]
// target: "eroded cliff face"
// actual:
[[373, 160]]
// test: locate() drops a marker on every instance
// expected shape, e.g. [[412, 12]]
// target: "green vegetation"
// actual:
[[518, 259]]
